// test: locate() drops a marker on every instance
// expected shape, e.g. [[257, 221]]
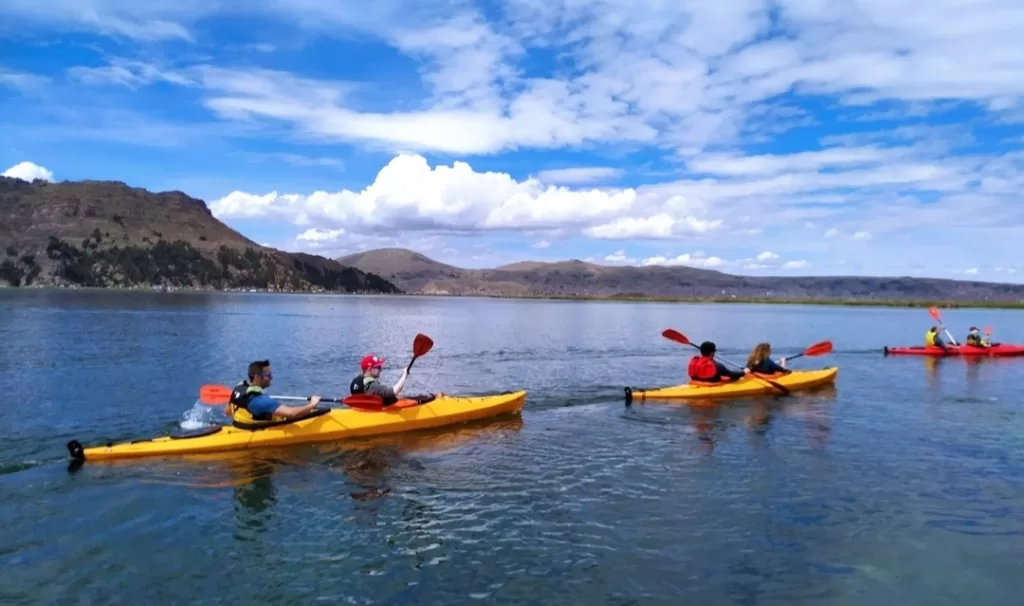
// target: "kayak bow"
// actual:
[[323, 424], [747, 386]]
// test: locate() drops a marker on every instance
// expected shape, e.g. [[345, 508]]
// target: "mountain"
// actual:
[[107, 234], [415, 273]]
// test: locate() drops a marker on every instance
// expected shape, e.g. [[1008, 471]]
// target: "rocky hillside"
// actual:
[[107, 234], [416, 273]]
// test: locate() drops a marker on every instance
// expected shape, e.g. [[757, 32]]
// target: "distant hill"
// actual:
[[107, 234], [415, 273]]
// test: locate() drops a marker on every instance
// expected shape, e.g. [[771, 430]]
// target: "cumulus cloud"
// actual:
[[692, 260], [766, 261], [28, 171], [410, 194]]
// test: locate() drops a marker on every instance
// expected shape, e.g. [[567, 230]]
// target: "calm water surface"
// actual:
[[902, 485]]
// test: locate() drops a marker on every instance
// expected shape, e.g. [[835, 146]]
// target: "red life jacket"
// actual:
[[702, 369]]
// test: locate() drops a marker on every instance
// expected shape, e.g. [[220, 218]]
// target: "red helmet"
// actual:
[[372, 361]]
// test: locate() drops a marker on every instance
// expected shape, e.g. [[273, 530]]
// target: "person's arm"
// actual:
[[265, 405], [772, 367], [723, 371], [290, 412], [397, 389]]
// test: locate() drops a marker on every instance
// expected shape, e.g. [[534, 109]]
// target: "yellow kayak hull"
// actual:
[[747, 386], [336, 424]]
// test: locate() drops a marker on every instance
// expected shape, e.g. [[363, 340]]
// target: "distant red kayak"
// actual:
[[998, 350]]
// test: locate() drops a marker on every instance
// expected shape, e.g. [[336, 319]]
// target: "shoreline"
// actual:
[[889, 303]]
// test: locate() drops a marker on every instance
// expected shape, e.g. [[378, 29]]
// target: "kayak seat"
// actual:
[[316, 412]]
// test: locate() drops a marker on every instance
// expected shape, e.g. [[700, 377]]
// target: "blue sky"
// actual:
[[768, 138]]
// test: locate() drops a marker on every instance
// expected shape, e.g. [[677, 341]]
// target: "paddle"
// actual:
[[818, 349], [678, 337], [934, 313], [219, 395], [421, 344]]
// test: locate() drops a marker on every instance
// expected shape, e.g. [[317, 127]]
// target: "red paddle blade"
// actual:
[[819, 349], [988, 330], [934, 313], [364, 402], [421, 345], [675, 335], [214, 395]]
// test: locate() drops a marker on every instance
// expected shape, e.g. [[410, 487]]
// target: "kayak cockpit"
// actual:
[[257, 425]]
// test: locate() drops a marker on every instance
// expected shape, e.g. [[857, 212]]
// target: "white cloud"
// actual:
[[831, 233], [575, 176], [27, 171], [297, 159], [409, 194], [541, 244], [861, 236], [694, 260], [619, 257], [685, 74], [128, 73], [767, 256], [796, 265], [660, 226], [768, 164], [22, 81]]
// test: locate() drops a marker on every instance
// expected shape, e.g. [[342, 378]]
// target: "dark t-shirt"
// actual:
[[371, 386]]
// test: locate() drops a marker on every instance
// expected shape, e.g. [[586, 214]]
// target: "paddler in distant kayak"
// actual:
[[760, 361], [975, 339], [704, 368], [932, 338], [369, 383], [248, 403]]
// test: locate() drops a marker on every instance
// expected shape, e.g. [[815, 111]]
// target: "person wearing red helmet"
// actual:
[[368, 382]]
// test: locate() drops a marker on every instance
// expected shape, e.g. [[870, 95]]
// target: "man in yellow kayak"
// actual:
[[368, 383], [705, 369], [932, 338], [975, 339], [248, 402]]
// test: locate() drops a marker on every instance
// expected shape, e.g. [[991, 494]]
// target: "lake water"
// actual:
[[903, 485]]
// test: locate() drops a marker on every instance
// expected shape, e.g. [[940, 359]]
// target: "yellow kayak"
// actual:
[[747, 386], [324, 424]]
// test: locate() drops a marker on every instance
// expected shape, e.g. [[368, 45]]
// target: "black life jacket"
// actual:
[[241, 395]]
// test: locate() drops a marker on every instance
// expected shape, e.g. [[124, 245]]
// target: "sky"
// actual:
[[791, 137]]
